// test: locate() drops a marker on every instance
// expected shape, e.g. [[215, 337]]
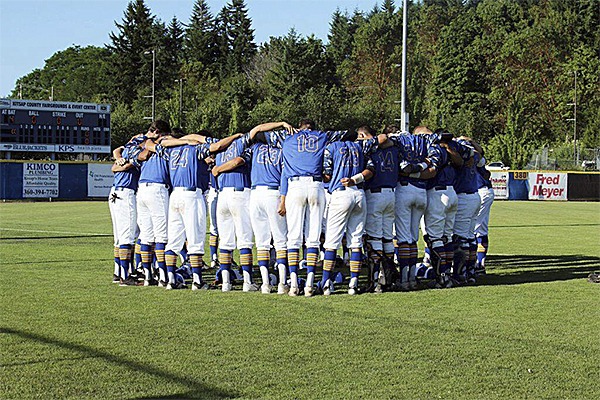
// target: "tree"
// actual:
[[135, 35], [235, 37], [200, 36]]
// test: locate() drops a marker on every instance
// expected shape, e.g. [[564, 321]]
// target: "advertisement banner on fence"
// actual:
[[547, 186], [99, 179], [500, 184], [40, 180]]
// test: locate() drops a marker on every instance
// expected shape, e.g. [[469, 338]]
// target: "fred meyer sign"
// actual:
[[547, 186]]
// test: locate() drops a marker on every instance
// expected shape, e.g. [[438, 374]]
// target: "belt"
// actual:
[[440, 187], [234, 189], [313, 178], [153, 184], [381, 189], [121, 188], [403, 183], [467, 193], [265, 187], [341, 188], [185, 189]]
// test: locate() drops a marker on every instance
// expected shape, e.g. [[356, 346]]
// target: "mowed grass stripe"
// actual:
[[529, 330]]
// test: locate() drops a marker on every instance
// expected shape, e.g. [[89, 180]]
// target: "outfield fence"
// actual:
[[84, 180]]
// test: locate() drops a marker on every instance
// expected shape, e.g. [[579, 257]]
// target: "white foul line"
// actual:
[[43, 231]]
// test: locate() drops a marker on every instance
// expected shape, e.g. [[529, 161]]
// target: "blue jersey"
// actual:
[[186, 165], [303, 150], [413, 150], [130, 177], [481, 180], [466, 177], [240, 177], [155, 169], [385, 162], [267, 163], [344, 160], [446, 174]]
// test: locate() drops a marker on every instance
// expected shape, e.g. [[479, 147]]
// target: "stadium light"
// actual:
[[153, 52]]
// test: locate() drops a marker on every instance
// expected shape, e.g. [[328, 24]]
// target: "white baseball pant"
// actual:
[[305, 199], [440, 214], [187, 220], [266, 223], [411, 202], [123, 215], [380, 216], [152, 211], [233, 219], [211, 196], [483, 216], [466, 213], [347, 214]]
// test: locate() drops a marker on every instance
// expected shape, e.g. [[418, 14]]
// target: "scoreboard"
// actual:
[[54, 126]]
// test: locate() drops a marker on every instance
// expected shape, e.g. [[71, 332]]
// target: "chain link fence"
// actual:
[[558, 160]]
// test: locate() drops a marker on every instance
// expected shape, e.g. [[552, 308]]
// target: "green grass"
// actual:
[[528, 330]]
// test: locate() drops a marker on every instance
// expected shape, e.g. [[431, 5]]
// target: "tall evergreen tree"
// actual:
[[131, 69], [200, 36], [239, 36]]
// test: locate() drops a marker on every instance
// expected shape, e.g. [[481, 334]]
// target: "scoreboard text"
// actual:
[[51, 126]]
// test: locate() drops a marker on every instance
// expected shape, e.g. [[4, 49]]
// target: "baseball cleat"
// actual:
[[150, 282], [249, 287], [294, 291], [352, 290], [128, 282], [282, 288], [265, 289], [175, 286], [116, 279], [162, 284], [226, 287], [200, 286], [309, 291]]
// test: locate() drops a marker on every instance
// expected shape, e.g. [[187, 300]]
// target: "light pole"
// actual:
[[403, 119], [574, 119], [153, 52], [180, 80]]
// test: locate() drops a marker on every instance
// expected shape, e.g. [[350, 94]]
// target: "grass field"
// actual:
[[530, 329]]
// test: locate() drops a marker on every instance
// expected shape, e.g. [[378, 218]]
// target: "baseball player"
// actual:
[[187, 207], [153, 204], [122, 205], [469, 202], [304, 199], [379, 193], [233, 215], [345, 166], [268, 220], [442, 203], [486, 193], [411, 201]]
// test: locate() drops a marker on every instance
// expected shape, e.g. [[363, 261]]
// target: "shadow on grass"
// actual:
[[195, 389], [517, 269]]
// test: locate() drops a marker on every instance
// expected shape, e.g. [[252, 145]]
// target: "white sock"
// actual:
[[353, 283], [294, 279], [412, 273], [264, 274], [196, 278], [171, 277], [404, 274], [225, 277], [282, 273], [310, 279], [247, 278], [117, 269]]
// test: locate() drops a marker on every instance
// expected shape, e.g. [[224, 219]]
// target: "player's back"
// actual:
[[385, 162], [183, 166], [154, 170], [266, 165], [239, 177], [347, 160], [130, 177], [303, 151]]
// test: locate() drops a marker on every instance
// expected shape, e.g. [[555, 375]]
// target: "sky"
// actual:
[[31, 31]]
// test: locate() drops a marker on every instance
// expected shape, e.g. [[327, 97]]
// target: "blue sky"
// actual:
[[32, 30]]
